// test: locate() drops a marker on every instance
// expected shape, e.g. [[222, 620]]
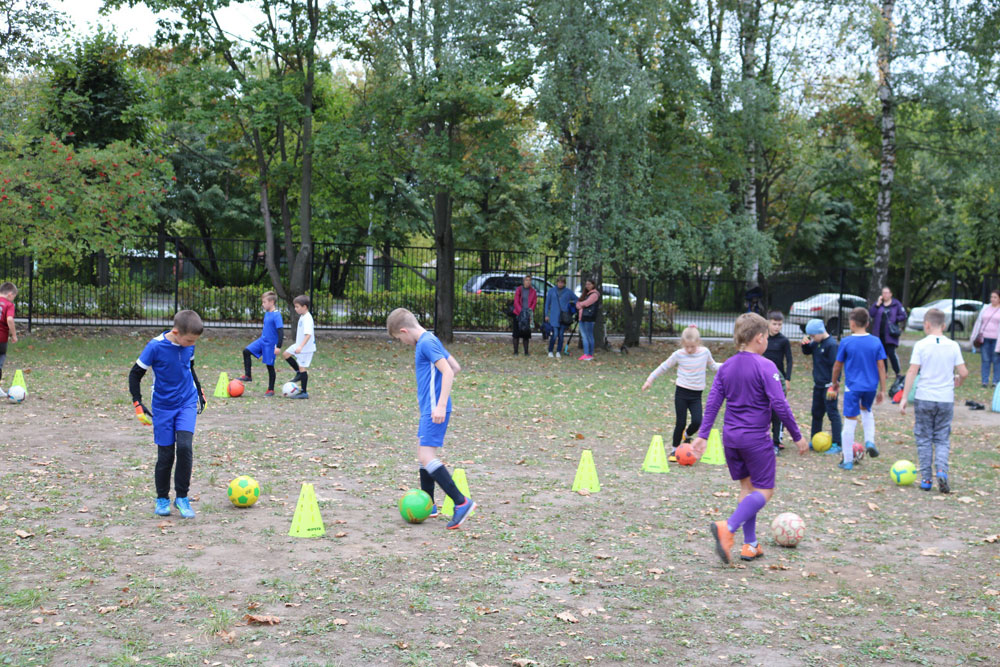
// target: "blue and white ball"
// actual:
[[16, 394]]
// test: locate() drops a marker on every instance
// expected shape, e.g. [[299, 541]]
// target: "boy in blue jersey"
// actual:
[[862, 358], [177, 400], [268, 345], [435, 370]]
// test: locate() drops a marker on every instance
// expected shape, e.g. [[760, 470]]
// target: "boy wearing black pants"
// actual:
[[818, 343], [779, 352]]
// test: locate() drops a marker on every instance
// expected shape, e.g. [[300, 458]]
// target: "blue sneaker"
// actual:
[[434, 512], [926, 484], [846, 466], [301, 394], [461, 513], [871, 449], [834, 449], [943, 484], [162, 507], [183, 505]]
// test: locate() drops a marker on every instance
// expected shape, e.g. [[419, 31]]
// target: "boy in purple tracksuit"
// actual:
[[751, 387]]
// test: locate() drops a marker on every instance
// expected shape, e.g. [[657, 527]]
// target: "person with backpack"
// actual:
[[587, 307], [558, 313], [525, 300], [887, 316]]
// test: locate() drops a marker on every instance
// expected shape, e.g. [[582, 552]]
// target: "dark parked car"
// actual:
[[504, 283]]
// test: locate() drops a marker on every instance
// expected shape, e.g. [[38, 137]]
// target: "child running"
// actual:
[[937, 359], [268, 346], [823, 349], [862, 358], [300, 353], [435, 370], [177, 401], [751, 387], [8, 332], [691, 361]]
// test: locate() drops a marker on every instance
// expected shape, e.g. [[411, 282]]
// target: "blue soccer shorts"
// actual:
[[263, 351], [431, 434], [167, 421], [855, 400]]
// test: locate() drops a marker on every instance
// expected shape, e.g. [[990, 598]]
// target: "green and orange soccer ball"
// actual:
[[415, 506], [243, 491]]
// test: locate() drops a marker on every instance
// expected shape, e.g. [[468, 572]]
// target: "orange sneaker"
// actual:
[[751, 553], [723, 541]]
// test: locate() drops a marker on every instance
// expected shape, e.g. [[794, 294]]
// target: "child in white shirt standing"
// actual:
[[691, 361], [937, 359], [300, 353]]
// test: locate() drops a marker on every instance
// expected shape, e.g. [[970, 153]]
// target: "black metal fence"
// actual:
[[355, 287]]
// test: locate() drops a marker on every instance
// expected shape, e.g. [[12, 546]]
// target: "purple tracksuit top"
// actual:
[[751, 387]]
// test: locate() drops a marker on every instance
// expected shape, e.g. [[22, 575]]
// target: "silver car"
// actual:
[[966, 311], [824, 307]]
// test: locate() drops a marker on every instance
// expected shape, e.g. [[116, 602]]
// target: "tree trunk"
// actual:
[[906, 276], [633, 313], [749, 18], [887, 173], [444, 242]]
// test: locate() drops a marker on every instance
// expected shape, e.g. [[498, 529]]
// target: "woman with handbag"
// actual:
[[887, 314], [588, 306], [558, 313], [525, 300], [985, 333]]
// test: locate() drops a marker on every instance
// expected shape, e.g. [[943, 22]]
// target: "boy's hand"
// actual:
[[902, 405], [806, 340], [645, 385], [880, 397], [298, 350], [202, 402], [143, 414], [277, 351], [438, 414], [13, 338], [699, 445], [803, 446]]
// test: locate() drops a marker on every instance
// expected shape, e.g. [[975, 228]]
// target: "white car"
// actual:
[[966, 311], [824, 307]]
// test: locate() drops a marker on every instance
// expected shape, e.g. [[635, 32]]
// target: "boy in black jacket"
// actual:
[[823, 349], [779, 351]]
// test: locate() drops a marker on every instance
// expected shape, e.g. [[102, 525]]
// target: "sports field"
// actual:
[[538, 576]]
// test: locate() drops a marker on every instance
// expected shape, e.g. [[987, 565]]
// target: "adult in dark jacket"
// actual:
[[525, 300], [888, 314]]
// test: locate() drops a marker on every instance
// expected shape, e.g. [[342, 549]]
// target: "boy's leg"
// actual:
[[270, 377], [304, 379], [818, 410], [847, 438], [185, 461], [923, 432], [942, 437], [439, 473], [426, 482], [3, 358], [246, 364], [164, 465], [836, 426], [868, 424]]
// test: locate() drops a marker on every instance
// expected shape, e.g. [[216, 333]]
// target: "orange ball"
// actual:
[[685, 455], [235, 388]]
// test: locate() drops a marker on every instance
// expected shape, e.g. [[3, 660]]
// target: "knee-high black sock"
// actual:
[[164, 464], [270, 377], [304, 378], [294, 364], [185, 460], [427, 482], [526, 346], [246, 362], [444, 480]]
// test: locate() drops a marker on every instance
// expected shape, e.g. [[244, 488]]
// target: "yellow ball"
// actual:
[[243, 491], [822, 441]]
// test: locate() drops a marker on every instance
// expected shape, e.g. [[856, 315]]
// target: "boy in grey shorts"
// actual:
[[936, 358]]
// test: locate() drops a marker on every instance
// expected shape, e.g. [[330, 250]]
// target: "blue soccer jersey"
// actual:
[[272, 325], [428, 351], [171, 364], [860, 354]]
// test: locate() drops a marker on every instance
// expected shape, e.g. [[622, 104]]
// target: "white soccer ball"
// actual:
[[16, 394], [289, 389], [788, 529]]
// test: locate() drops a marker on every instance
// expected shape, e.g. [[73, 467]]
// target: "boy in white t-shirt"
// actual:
[[300, 353], [936, 358]]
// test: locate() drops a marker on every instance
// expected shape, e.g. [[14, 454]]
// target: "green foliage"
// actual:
[[63, 203], [26, 25], [62, 298]]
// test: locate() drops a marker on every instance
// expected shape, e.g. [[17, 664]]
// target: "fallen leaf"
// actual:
[[262, 619], [228, 637], [991, 538], [442, 646], [253, 605], [873, 507], [579, 436], [340, 621], [196, 547], [483, 611], [777, 566], [584, 492], [966, 500], [37, 620], [654, 570], [991, 591], [401, 645], [107, 610], [568, 617], [523, 662], [930, 551], [23, 534], [341, 534]]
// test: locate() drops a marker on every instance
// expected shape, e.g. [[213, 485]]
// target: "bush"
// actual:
[[223, 304]]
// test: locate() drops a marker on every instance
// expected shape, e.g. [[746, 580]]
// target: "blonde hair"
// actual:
[[398, 319], [748, 326], [935, 317], [270, 296], [690, 335]]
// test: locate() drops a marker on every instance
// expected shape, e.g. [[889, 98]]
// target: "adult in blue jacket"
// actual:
[[558, 300]]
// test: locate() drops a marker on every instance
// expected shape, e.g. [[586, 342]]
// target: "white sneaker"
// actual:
[[550, 354], [558, 356]]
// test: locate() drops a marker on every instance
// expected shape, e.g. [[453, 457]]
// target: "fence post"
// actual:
[[177, 276], [31, 289], [840, 304]]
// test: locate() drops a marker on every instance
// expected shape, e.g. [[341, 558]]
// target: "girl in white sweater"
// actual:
[[691, 361]]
